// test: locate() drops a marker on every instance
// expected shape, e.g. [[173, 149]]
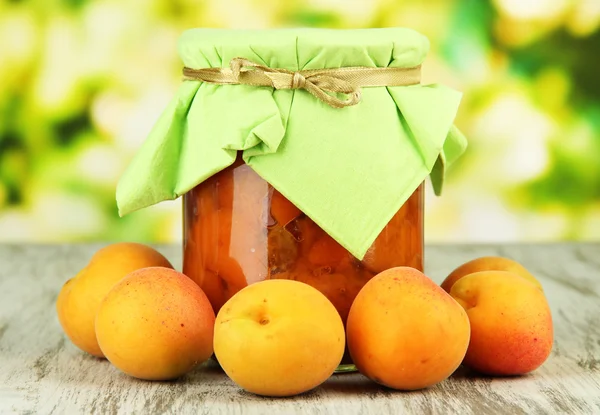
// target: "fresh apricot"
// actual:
[[488, 263], [278, 338], [511, 322], [80, 296], [405, 332], [155, 324]]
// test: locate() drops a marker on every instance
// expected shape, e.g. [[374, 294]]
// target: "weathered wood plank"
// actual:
[[42, 372]]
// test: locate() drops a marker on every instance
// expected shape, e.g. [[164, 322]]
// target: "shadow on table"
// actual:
[[356, 383]]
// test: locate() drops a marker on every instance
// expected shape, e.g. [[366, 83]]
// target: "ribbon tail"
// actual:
[[331, 99]]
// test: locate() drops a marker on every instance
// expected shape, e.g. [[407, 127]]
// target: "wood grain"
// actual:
[[41, 372]]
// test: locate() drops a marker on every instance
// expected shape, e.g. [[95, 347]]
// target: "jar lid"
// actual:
[[304, 48], [349, 169]]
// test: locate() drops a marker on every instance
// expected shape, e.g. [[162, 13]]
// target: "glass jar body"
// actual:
[[239, 230]]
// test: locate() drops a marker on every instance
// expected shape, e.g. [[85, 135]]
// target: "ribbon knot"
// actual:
[[298, 81], [325, 84]]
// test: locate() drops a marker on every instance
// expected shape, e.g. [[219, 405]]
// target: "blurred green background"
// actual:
[[82, 82]]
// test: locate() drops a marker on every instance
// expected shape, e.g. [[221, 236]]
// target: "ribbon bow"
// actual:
[[324, 84]]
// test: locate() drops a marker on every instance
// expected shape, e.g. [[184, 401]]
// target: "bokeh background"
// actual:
[[82, 82]]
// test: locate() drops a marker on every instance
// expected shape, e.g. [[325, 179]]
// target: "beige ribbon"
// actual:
[[322, 83]]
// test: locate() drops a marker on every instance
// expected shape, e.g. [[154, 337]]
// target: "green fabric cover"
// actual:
[[348, 169]]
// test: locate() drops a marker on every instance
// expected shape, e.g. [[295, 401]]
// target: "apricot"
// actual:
[[216, 255], [228, 236], [282, 250], [326, 251], [511, 323], [488, 263], [405, 332], [80, 296], [306, 233], [155, 324], [282, 210], [278, 338]]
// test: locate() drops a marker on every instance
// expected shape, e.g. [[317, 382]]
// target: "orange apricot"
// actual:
[[155, 324], [405, 332], [282, 210], [278, 338], [511, 322], [326, 251], [488, 263], [80, 296]]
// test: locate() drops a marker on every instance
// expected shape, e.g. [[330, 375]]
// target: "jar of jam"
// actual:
[[300, 154]]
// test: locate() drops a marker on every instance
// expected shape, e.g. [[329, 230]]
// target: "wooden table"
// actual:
[[41, 372]]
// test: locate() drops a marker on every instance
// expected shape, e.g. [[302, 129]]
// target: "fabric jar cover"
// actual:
[[349, 169]]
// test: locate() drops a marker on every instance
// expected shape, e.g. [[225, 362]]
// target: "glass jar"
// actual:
[[239, 230]]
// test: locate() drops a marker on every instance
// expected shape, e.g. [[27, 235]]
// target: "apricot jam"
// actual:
[[239, 230]]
